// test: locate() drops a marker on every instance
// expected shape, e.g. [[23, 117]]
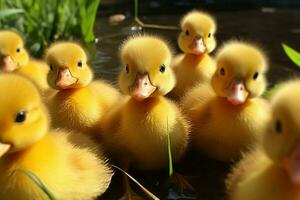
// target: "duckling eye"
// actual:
[[79, 64], [51, 67], [162, 68], [18, 50], [127, 69], [209, 35], [20, 117], [278, 126], [222, 71], [187, 32], [255, 75]]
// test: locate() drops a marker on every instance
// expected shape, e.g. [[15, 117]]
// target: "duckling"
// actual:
[[80, 102], [68, 170], [14, 57], [136, 130], [228, 114], [196, 40], [272, 169]]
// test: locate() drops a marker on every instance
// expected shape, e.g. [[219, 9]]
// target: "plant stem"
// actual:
[[152, 26], [152, 196], [136, 8]]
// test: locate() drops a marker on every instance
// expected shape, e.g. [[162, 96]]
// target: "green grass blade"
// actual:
[[37, 181], [88, 12], [292, 54], [169, 151]]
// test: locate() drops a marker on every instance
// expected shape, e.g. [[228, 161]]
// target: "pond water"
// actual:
[[267, 27]]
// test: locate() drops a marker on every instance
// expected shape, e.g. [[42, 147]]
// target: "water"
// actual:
[[266, 27]]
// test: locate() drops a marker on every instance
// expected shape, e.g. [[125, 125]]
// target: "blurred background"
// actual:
[[101, 26]]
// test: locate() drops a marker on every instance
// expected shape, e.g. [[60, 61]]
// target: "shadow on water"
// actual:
[[266, 27]]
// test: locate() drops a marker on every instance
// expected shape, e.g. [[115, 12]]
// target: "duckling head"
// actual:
[[240, 73], [23, 118], [281, 139], [13, 55], [197, 33], [146, 72], [68, 66]]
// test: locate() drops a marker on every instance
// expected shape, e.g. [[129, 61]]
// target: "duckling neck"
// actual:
[[69, 91], [148, 102], [193, 59], [12, 158]]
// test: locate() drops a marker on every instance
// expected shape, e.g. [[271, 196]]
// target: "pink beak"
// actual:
[[292, 165], [142, 87], [65, 80], [237, 93], [8, 64], [198, 47]]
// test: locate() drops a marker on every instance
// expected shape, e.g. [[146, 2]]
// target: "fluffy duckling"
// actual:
[[14, 57], [228, 114], [136, 130], [26, 143], [272, 170], [196, 40], [80, 102]]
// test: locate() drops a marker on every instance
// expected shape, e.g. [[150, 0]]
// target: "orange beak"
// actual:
[[142, 87], [292, 165], [197, 46], [4, 148], [8, 64], [237, 93], [65, 80]]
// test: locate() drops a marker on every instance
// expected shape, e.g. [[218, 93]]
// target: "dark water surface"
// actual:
[[266, 27]]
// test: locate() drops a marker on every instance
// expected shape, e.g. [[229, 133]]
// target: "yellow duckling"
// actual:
[[272, 170], [26, 143], [227, 115], [196, 40], [136, 130], [14, 57], [80, 102]]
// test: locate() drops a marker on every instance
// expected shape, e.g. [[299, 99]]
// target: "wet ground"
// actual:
[[266, 27]]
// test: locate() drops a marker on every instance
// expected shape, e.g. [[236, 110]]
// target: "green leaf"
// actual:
[[37, 181], [292, 54], [9, 12]]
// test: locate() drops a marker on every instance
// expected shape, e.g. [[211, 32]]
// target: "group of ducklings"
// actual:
[[57, 122]]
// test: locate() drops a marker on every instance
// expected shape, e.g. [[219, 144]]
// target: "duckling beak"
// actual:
[[65, 79], [237, 93], [8, 64], [292, 165], [142, 87], [4, 148], [197, 46]]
